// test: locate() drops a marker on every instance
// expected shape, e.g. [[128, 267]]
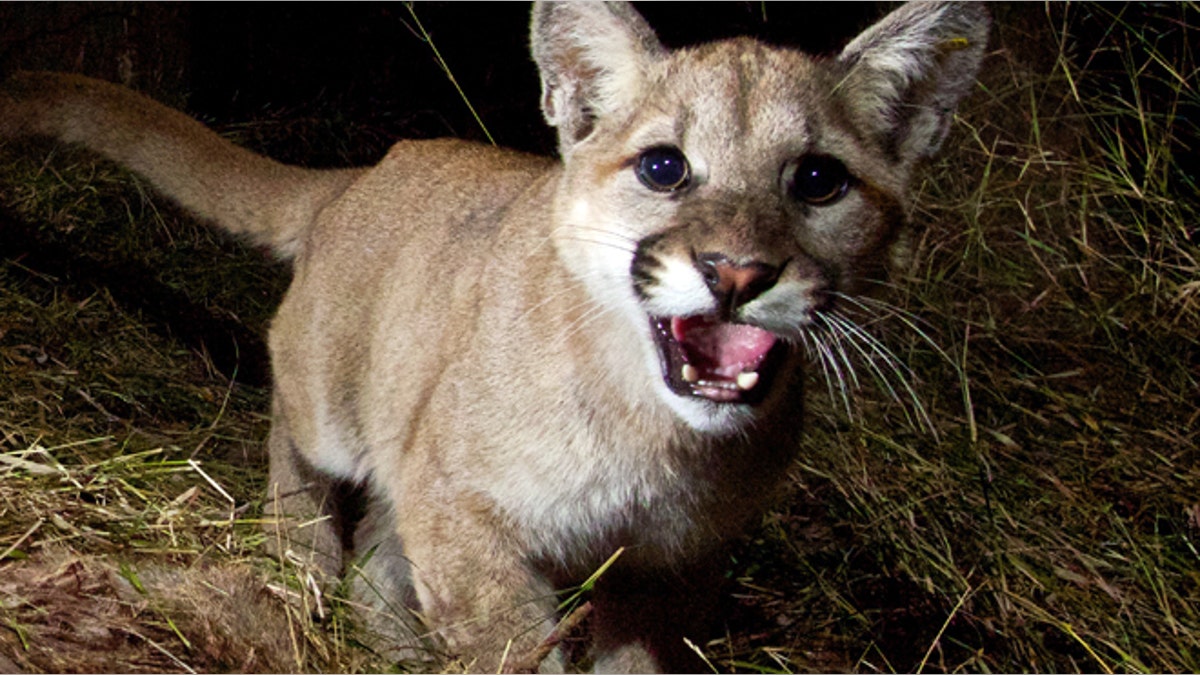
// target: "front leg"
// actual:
[[474, 585]]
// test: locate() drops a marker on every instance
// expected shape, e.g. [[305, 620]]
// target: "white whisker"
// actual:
[[840, 339], [591, 311], [551, 297], [839, 336], [829, 361], [814, 354], [600, 236], [872, 351], [909, 319]]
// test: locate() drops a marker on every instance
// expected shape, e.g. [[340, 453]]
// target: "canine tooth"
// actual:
[[746, 381], [690, 374]]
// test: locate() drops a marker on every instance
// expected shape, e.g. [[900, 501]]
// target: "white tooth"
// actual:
[[746, 381], [690, 374]]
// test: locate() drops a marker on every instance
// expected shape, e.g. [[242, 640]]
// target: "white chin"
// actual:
[[708, 417]]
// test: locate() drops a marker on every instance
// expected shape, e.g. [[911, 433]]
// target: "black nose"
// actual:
[[735, 284]]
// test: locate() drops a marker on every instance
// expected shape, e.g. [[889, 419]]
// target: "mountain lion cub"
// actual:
[[493, 371]]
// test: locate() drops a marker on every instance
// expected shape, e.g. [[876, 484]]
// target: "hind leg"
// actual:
[[308, 512]]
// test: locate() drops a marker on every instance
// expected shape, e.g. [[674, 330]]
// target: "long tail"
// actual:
[[246, 193]]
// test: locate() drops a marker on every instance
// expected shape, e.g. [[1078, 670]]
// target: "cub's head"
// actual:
[[723, 198]]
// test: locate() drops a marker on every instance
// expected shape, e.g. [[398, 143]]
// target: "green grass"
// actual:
[[1031, 505]]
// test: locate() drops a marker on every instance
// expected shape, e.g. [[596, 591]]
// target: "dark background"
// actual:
[[364, 63], [363, 71]]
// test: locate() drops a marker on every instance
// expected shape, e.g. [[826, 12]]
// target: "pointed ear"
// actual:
[[593, 58], [904, 77]]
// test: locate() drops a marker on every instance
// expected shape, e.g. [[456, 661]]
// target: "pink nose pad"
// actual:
[[735, 284]]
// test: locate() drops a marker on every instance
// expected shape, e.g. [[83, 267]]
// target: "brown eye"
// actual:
[[663, 169], [819, 180]]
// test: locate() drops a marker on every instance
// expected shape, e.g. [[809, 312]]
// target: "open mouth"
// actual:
[[712, 359]]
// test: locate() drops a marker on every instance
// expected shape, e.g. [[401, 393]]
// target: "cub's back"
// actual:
[[390, 273]]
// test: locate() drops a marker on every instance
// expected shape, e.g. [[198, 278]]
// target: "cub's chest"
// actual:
[[580, 512]]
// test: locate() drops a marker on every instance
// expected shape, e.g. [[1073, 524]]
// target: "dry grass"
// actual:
[[131, 469], [1049, 522], [1031, 506]]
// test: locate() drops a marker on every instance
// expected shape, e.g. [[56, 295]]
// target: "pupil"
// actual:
[[820, 180], [817, 183], [663, 169]]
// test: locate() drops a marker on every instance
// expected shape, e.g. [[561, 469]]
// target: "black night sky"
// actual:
[[362, 62]]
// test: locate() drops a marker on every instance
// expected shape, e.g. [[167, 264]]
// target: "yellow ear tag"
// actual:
[[954, 44]]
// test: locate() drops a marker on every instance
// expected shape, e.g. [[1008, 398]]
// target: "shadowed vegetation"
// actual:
[[1013, 489]]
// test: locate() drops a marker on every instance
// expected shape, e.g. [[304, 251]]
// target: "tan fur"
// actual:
[[468, 342]]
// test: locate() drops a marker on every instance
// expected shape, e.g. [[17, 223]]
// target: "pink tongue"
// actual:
[[716, 345]]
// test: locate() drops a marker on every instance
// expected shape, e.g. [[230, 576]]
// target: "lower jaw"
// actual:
[[718, 394], [729, 391]]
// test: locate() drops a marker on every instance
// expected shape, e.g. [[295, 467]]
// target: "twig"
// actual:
[[22, 538], [428, 39], [532, 660]]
